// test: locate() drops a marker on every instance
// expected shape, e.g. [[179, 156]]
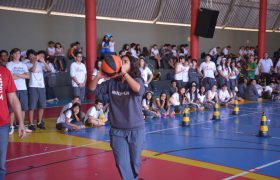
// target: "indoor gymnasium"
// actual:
[[139, 89]]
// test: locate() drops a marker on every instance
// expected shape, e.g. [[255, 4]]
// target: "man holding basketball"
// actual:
[[8, 93], [127, 131]]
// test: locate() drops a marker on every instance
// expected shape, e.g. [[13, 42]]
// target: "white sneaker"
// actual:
[[12, 130], [28, 130]]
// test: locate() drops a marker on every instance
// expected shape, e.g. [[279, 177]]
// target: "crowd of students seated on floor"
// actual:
[[221, 77]]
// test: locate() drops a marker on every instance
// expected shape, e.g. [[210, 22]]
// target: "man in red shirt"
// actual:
[[7, 93]]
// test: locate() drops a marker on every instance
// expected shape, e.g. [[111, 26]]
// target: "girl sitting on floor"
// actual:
[[225, 97], [178, 101], [192, 99], [202, 96], [72, 119], [149, 106], [162, 104], [211, 97]]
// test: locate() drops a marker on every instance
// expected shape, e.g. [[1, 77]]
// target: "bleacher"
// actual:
[[64, 91]]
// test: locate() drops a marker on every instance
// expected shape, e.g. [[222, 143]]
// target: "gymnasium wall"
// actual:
[[26, 30]]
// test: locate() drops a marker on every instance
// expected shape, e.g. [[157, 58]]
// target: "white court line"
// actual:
[[177, 127], [253, 170], [49, 152], [64, 149], [163, 130], [241, 115], [262, 108], [239, 132], [259, 112]]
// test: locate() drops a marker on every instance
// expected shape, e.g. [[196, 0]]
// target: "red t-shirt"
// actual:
[[7, 86]]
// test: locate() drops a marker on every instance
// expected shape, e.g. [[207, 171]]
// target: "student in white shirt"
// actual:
[[148, 106], [37, 90], [146, 73], [163, 105], [96, 70], [277, 67], [214, 53], [241, 51], [186, 49], [202, 96], [265, 67], [174, 50], [192, 99], [179, 69], [75, 99], [19, 73], [225, 97], [133, 50], [185, 74], [78, 74], [234, 72], [226, 50], [51, 49], [95, 115], [112, 45], [59, 54], [211, 97], [72, 119], [251, 51], [51, 53], [138, 50], [224, 73], [178, 101], [155, 55], [104, 98], [207, 69]]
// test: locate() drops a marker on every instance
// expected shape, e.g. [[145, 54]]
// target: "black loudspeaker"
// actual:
[[206, 22]]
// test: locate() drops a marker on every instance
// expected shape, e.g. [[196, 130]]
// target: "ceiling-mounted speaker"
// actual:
[[206, 22]]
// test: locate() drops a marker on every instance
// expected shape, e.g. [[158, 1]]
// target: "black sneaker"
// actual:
[[41, 125], [31, 127]]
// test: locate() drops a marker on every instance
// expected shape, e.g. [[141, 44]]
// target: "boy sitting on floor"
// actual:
[[95, 115]]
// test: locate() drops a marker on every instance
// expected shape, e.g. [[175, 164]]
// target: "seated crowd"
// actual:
[[220, 78]]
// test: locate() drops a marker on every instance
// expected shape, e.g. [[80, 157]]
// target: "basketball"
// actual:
[[111, 65]]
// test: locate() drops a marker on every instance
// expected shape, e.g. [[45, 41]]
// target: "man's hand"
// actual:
[[21, 131]]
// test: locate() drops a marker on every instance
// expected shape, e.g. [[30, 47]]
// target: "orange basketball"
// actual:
[[111, 65]]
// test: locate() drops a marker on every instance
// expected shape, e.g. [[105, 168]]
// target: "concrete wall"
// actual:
[[26, 30]]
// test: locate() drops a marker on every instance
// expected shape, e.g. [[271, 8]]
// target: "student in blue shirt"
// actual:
[[127, 131]]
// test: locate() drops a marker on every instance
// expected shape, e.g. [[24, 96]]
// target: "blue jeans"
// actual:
[[4, 136], [127, 146], [61, 126], [148, 113], [177, 109]]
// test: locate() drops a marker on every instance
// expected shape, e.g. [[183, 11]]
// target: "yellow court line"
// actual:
[[205, 165]]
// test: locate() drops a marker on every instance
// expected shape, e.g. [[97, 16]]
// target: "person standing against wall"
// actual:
[[37, 90], [78, 74], [19, 72]]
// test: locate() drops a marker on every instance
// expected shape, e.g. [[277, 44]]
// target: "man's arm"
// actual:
[[16, 107]]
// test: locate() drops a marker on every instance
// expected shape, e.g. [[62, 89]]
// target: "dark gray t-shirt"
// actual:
[[125, 105]]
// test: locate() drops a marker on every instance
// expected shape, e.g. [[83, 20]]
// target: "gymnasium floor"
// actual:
[[205, 150]]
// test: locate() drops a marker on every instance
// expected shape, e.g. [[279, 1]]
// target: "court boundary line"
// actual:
[[49, 152], [252, 170], [74, 147]]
